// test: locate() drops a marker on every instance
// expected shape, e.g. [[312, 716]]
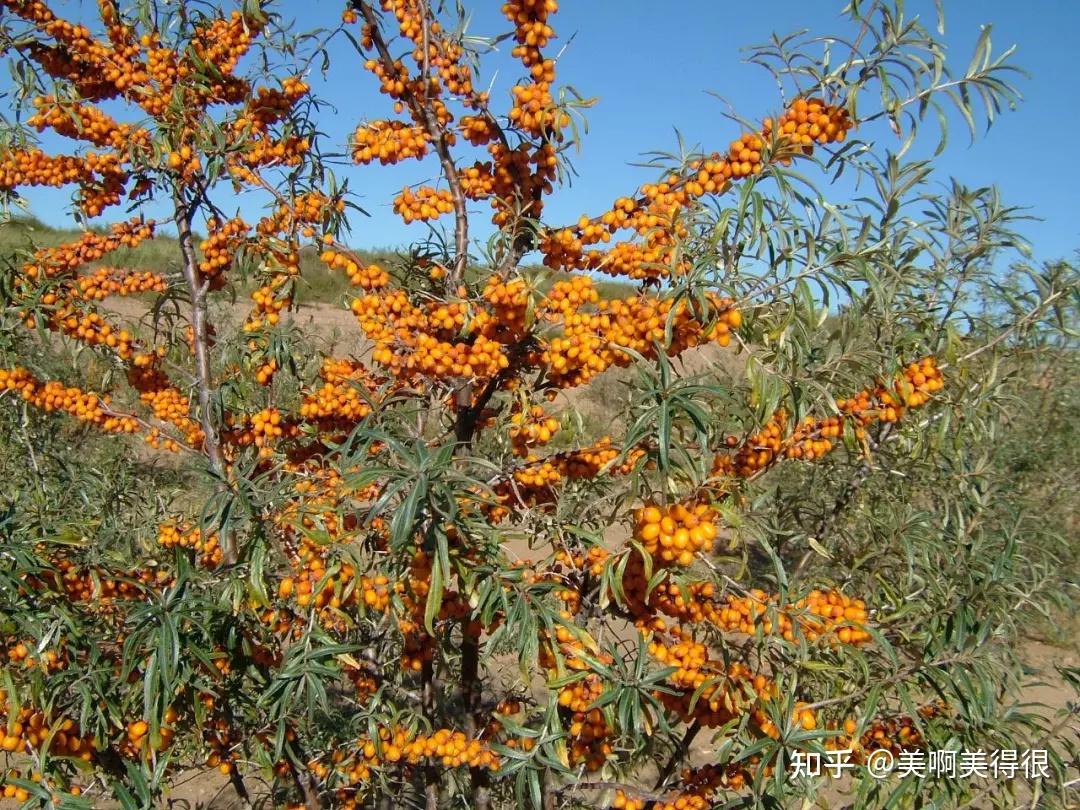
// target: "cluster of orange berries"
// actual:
[[140, 742], [813, 438], [531, 29], [263, 429], [101, 176], [810, 121], [96, 586], [168, 404], [270, 302], [30, 730], [722, 693], [389, 142], [590, 739], [269, 105], [185, 161], [697, 786], [452, 749], [174, 535], [522, 177], [404, 342], [586, 462], [443, 54], [87, 327], [533, 110], [693, 667], [509, 179], [477, 181], [319, 492], [393, 81], [674, 535], [438, 358], [432, 51], [424, 205], [370, 277], [163, 69], [63, 260], [592, 561], [757, 452], [222, 741], [9, 790], [219, 248], [264, 374], [279, 248], [478, 130], [96, 71], [106, 281], [509, 303], [54, 396], [419, 646], [264, 150], [503, 710], [84, 122], [591, 341], [531, 428], [47, 660], [567, 296], [537, 474], [914, 387], [311, 208], [224, 41], [894, 734], [346, 393], [330, 595], [588, 730], [817, 614]]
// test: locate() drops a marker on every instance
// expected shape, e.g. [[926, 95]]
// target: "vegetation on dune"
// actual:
[[799, 479]]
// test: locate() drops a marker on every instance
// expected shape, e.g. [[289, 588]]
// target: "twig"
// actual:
[[1034, 313]]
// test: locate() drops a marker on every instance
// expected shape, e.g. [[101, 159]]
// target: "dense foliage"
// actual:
[[832, 489]]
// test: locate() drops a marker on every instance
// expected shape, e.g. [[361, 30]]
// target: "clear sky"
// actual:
[[651, 64]]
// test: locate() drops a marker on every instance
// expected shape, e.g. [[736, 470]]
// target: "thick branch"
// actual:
[[237, 782], [677, 756], [471, 694], [197, 289], [431, 773]]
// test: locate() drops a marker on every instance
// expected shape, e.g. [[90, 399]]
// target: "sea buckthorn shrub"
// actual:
[[413, 574]]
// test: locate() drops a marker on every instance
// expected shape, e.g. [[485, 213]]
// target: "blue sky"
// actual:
[[651, 66]]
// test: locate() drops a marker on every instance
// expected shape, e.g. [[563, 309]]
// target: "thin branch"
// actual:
[[1024, 321]]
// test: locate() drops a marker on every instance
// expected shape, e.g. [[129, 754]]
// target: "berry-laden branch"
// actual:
[[421, 106]]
